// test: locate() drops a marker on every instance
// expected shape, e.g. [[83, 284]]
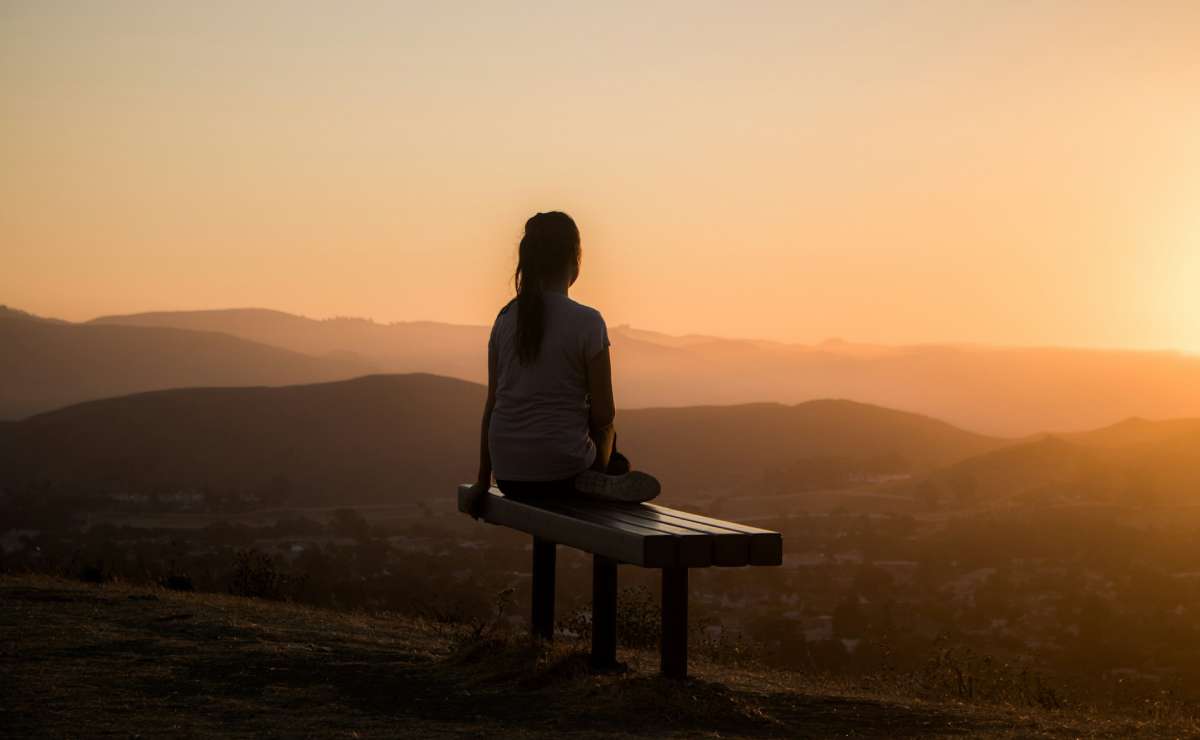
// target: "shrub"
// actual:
[[255, 575], [966, 675], [639, 622]]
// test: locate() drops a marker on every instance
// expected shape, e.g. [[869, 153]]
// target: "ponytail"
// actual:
[[548, 249], [531, 318]]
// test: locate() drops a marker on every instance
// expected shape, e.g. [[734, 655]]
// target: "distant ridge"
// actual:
[[1005, 391], [1137, 431], [7, 312], [404, 347], [47, 364]]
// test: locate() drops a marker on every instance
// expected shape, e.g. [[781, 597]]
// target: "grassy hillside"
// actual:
[[83, 660], [404, 437], [47, 364]]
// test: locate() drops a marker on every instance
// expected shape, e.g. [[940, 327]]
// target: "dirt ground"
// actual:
[[79, 660]]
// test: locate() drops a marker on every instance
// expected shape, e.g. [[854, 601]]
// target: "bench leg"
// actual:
[[674, 622], [542, 612], [604, 612]]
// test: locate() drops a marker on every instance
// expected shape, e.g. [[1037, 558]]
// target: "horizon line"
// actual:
[[931, 343]]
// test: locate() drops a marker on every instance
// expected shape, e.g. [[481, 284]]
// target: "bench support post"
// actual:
[[542, 612], [674, 622], [604, 612]]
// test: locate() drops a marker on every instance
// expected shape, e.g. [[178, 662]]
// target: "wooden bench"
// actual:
[[637, 534]]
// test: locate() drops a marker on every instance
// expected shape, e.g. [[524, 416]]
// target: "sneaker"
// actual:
[[618, 464], [632, 487]]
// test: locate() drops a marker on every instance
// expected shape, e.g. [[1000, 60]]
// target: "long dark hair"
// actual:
[[549, 250]]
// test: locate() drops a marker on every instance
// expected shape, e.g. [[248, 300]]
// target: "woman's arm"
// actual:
[[603, 409], [484, 478], [483, 481]]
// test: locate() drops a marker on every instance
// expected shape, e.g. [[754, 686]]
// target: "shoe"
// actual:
[[618, 464], [632, 487]]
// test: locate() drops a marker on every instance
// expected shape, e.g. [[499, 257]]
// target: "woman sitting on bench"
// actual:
[[548, 422]]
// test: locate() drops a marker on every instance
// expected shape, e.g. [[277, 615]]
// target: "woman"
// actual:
[[548, 422]]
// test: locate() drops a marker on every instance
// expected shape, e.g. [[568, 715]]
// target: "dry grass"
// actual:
[[79, 660]]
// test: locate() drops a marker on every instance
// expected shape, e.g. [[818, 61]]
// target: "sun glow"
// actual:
[[945, 172], [1175, 278], [1186, 292]]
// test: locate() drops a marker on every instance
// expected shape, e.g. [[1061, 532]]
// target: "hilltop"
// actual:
[[84, 660]]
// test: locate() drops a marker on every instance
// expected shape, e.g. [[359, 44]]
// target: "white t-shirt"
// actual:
[[539, 426]]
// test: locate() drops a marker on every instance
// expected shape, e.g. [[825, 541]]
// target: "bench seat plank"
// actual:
[[695, 548], [648, 535], [766, 547], [624, 544], [729, 549]]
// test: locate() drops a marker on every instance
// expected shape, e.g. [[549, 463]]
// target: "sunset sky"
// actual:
[[997, 172]]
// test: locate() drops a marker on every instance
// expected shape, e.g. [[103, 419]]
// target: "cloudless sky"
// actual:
[[1000, 172]]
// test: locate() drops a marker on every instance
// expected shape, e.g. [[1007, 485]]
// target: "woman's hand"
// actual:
[[476, 495], [483, 481]]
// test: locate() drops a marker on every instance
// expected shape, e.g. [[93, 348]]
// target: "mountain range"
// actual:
[[999, 391], [1009, 391]]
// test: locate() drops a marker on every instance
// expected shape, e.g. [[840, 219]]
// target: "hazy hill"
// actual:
[[1169, 471], [1132, 463], [405, 347], [377, 437], [1003, 391], [1029, 472], [719, 447], [46, 364], [7, 312], [406, 437], [1134, 432]]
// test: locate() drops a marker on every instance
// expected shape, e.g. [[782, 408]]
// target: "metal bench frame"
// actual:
[[646, 535]]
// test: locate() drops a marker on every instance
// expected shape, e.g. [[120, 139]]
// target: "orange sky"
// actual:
[[1002, 172]]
